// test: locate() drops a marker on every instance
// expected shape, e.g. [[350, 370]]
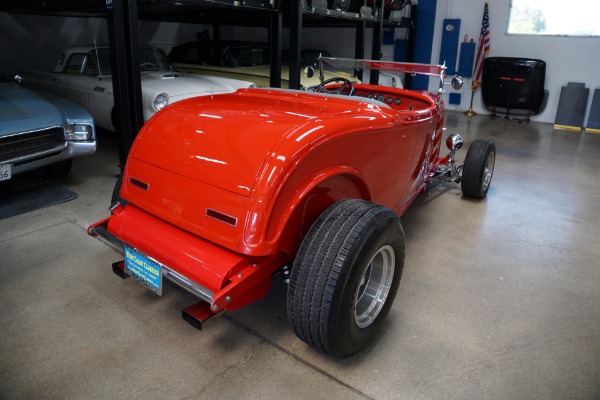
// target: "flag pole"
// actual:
[[482, 50], [470, 112]]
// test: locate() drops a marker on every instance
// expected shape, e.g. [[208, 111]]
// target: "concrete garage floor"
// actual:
[[500, 299]]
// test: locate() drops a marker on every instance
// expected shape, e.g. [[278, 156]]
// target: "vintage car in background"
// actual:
[[241, 60], [38, 129], [83, 75], [355, 5], [309, 185]]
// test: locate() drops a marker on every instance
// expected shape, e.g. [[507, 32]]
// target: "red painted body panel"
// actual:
[[266, 163], [199, 260]]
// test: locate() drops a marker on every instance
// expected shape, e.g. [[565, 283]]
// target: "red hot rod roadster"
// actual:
[[222, 192]]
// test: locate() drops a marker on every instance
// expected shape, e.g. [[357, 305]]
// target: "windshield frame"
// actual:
[[336, 64]]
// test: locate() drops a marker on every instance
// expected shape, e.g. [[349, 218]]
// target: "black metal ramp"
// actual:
[[593, 123], [571, 106], [31, 198]]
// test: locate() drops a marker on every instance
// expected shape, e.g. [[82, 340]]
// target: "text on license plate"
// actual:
[[144, 269], [5, 172]]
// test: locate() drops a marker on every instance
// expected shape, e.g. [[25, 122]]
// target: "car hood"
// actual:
[[224, 140], [176, 84], [23, 110]]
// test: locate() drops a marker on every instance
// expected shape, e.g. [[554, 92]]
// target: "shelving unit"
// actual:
[[121, 15]]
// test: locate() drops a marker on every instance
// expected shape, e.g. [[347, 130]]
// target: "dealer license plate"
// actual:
[[144, 269], [5, 172]]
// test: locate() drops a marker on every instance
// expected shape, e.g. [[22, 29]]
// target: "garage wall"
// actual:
[[568, 59]]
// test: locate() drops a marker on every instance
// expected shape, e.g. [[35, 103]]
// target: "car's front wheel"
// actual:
[[478, 169], [345, 277]]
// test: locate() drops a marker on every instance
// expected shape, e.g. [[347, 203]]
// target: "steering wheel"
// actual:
[[147, 65], [345, 84]]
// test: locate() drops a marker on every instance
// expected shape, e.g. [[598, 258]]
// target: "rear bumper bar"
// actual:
[[225, 279], [101, 232]]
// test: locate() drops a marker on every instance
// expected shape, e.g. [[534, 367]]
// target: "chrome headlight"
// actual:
[[161, 102], [78, 132], [454, 142]]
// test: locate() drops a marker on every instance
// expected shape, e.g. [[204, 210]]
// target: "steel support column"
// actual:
[[377, 39], [275, 28], [127, 116], [359, 46], [295, 42]]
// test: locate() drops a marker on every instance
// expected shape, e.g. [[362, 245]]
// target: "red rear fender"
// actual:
[[291, 220]]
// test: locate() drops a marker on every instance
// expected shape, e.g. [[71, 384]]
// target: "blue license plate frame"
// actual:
[[144, 269]]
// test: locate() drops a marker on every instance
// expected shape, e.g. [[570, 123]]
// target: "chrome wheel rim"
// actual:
[[341, 5], [488, 171], [374, 287]]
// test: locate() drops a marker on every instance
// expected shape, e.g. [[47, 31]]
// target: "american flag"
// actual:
[[483, 48]]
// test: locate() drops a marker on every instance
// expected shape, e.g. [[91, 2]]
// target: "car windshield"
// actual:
[[98, 61], [153, 59], [336, 64], [391, 72], [249, 56]]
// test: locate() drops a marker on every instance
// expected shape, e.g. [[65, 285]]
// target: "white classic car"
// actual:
[[83, 75]]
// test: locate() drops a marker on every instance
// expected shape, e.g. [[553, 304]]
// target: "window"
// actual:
[[554, 18], [75, 64]]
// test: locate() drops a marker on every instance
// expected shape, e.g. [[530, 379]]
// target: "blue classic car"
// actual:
[[38, 129]]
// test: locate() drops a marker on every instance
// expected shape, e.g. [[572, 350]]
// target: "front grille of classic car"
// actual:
[[16, 146]]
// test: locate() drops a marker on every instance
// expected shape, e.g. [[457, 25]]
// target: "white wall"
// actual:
[[568, 59]]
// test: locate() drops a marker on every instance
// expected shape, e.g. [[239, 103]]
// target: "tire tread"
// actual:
[[473, 169], [320, 269]]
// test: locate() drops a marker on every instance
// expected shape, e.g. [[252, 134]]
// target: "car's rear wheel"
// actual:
[[345, 277], [478, 169]]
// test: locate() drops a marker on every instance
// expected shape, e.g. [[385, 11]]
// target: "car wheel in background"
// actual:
[[478, 169], [345, 277], [345, 5]]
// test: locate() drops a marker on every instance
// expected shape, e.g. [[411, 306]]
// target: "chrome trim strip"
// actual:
[[21, 159], [38, 130], [167, 273]]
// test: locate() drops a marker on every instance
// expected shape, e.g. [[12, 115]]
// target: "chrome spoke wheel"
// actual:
[[374, 286], [488, 171], [478, 169]]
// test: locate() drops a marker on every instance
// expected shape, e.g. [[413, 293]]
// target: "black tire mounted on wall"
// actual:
[[478, 169], [345, 5], [345, 277]]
